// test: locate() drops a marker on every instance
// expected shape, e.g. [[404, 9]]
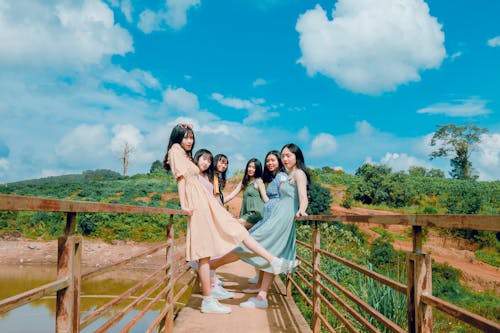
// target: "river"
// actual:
[[39, 316]]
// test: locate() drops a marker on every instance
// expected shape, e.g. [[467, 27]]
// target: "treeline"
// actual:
[[97, 186], [425, 191]]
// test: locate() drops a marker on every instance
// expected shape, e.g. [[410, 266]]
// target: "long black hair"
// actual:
[[178, 133], [258, 171], [221, 175], [268, 176], [210, 171], [299, 158]]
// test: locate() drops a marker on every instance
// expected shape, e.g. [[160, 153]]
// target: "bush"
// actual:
[[319, 199]]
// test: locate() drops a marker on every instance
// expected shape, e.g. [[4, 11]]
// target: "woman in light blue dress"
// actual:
[[277, 234]]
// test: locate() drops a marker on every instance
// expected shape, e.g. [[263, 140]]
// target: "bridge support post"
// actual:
[[69, 258], [419, 276], [316, 321], [168, 326]]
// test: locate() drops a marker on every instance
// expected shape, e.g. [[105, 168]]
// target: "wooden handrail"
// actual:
[[28, 203], [455, 221], [418, 270]]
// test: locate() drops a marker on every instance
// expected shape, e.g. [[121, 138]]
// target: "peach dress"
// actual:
[[211, 231]]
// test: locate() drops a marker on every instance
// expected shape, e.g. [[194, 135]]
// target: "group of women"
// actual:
[[272, 198]]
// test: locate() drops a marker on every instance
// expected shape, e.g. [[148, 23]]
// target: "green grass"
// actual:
[[391, 237], [489, 256]]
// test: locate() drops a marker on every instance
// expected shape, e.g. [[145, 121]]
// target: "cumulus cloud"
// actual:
[[53, 35], [136, 80], [180, 99], [125, 134], [174, 15], [403, 162], [494, 42], [371, 46], [488, 157], [4, 164], [323, 144], [458, 108], [257, 110], [84, 146]]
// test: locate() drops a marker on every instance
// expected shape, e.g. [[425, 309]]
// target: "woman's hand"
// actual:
[[187, 211], [300, 213]]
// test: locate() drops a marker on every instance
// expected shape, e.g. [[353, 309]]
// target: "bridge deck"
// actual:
[[282, 315]]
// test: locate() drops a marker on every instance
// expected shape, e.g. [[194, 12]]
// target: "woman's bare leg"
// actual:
[[267, 279], [204, 275], [224, 260], [258, 249]]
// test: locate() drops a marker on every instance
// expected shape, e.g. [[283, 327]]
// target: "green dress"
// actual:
[[252, 206], [277, 235]]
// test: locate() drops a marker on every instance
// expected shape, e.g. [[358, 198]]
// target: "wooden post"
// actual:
[[169, 318], [69, 257], [417, 238], [289, 285], [316, 322], [419, 276]]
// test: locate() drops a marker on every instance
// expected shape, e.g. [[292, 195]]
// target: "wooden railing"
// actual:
[[69, 276], [418, 289]]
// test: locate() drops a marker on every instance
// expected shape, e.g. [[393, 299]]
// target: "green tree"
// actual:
[[417, 171], [436, 173], [459, 142], [156, 166], [319, 199]]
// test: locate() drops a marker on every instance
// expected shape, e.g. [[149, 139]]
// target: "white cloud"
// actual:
[[84, 146], [455, 55], [64, 35], [125, 134], [303, 134], [136, 80], [180, 99], [174, 15], [371, 46], [458, 108], [4, 164], [402, 161], [488, 157], [127, 9], [259, 82], [323, 144], [494, 42], [257, 111]]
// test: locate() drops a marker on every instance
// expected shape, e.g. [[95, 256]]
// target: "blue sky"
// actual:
[[349, 81]]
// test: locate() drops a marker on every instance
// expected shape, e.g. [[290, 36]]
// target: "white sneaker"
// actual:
[[254, 279], [220, 293], [254, 303], [211, 305], [251, 291], [281, 265], [219, 282]]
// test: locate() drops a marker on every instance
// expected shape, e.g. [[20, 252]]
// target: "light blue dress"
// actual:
[[273, 193], [277, 234]]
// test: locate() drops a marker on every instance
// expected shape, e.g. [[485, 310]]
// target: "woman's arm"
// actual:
[[259, 184], [181, 188], [301, 181], [235, 192]]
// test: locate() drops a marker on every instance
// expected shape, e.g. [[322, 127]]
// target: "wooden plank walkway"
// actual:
[[282, 315]]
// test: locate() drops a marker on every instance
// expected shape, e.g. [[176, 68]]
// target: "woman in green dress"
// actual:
[[254, 194]]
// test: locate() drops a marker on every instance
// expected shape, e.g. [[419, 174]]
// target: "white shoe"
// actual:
[[211, 305], [251, 291], [220, 293], [219, 282], [281, 265], [254, 279], [254, 303]]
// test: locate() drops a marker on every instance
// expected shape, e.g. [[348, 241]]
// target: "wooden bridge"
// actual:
[[325, 297]]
